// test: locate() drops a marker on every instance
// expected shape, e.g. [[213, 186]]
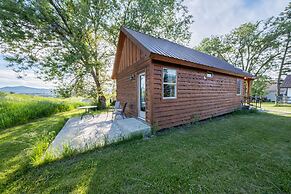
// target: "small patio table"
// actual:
[[87, 110]]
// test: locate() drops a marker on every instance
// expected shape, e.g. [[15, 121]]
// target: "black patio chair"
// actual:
[[120, 112]]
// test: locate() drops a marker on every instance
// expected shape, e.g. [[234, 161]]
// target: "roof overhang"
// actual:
[[124, 33], [157, 57]]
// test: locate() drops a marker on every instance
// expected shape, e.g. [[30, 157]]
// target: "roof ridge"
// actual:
[[177, 44], [156, 37], [196, 57]]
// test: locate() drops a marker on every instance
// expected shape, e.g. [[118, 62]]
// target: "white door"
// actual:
[[141, 95]]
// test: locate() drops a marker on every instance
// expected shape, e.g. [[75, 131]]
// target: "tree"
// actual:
[[164, 18], [215, 46], [73, 41], [58, 39], [252, 47], [260, 86], [282, 26]]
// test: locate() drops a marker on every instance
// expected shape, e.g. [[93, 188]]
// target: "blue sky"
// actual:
[[212, 17]]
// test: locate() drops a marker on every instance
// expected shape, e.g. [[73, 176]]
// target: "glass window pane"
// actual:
[[169, 90], [142, 93], [239, 86], [169, 76]]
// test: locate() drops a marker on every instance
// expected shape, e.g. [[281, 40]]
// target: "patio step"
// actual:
[[132, 126]]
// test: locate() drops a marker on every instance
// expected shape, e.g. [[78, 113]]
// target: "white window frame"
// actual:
[[239, 83], [174, 97]]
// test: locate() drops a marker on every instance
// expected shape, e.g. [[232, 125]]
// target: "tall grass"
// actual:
[[18, 109]]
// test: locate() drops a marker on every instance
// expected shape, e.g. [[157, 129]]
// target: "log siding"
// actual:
[[127, 89], [198, 97]]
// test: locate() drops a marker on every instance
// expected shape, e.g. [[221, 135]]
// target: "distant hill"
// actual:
[[28, 90]]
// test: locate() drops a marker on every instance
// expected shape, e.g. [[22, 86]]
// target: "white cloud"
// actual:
[[218, 17], [9, 78]]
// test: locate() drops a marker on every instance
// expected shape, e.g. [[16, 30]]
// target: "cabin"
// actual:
[[287, 86], [167, 84]]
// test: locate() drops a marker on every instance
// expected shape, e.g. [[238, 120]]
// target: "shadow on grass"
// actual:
[[235, 153]]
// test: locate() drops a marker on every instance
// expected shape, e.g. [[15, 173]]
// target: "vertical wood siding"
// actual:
[[197, 98], [130, 55]]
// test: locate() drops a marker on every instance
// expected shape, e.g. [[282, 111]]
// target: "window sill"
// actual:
[[169, 98]]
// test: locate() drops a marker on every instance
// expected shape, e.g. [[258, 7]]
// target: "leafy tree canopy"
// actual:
[[73, 41], [251, 47]]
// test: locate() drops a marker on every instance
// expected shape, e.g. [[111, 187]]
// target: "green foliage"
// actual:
[[74, 41], [165, 19], [17, 109], [214, 46], [252, 47], [259, 48], [260, 85]]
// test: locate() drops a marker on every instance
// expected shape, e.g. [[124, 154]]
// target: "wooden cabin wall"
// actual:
[[127, 89], [197, 98], [130, 55]]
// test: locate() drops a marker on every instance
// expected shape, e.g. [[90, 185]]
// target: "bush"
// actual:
[[18, 109]]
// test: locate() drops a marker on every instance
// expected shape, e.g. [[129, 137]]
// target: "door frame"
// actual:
[[143, 115]]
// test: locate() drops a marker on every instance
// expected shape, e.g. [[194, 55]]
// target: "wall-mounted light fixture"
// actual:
[[132, 77], [209, 75]]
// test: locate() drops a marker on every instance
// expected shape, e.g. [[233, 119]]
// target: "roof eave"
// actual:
[[158, 57]]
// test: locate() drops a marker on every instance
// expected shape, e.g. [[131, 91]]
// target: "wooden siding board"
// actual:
[[130, 54], [196, 96], [127, 90]]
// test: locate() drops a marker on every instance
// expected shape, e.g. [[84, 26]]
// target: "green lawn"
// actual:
[[237, 153], [18, 109], [270, 106], [16, 144]]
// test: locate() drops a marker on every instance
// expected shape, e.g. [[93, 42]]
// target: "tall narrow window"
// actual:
[[169, 83], [238, 86]]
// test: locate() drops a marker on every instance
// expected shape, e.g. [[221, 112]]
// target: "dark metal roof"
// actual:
[[287, 82], [170, 49]]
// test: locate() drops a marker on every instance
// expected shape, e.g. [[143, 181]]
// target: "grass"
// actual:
[[237, 153], [270, 106], [18, 109], [20, 146]]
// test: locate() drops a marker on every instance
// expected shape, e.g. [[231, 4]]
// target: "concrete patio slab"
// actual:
[[87, 133]]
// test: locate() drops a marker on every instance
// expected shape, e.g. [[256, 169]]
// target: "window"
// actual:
[[169, 83], [238, 86]]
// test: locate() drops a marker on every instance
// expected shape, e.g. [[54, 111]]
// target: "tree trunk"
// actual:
[[100, 94], [281, 68]]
